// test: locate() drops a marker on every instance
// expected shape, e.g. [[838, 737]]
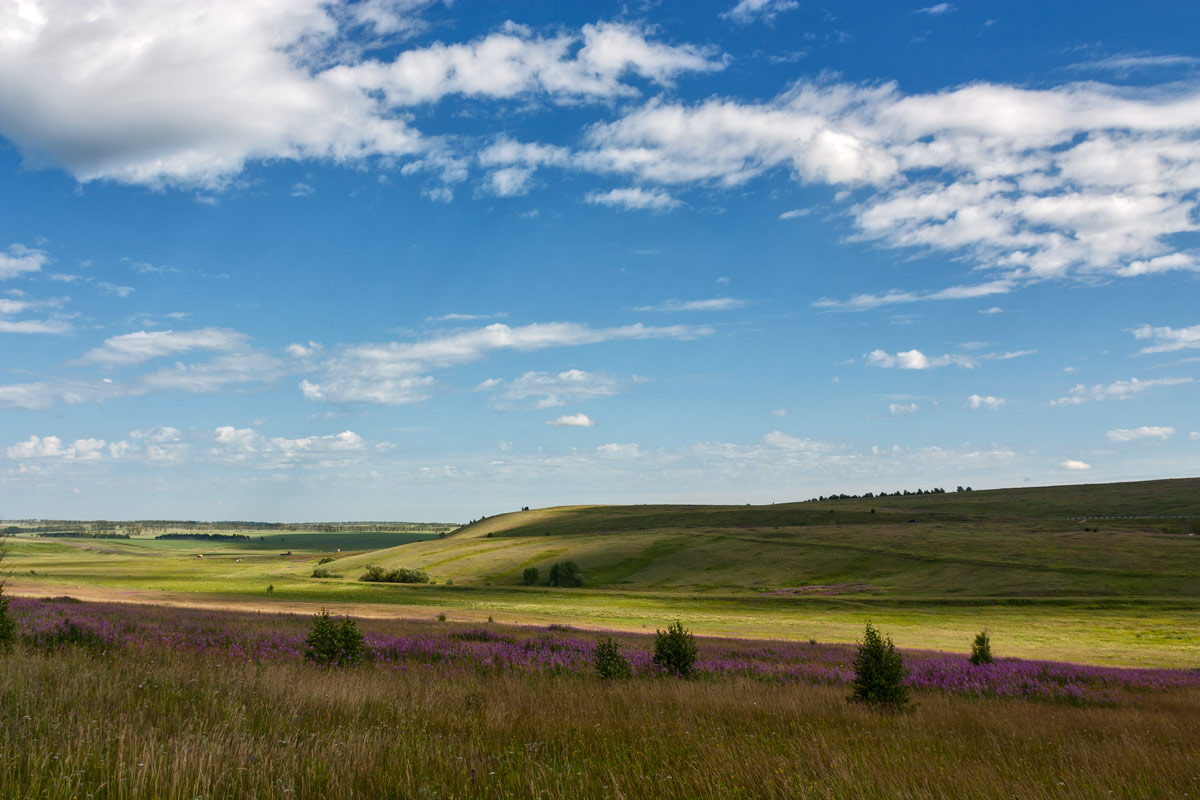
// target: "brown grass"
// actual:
[[78, 726]]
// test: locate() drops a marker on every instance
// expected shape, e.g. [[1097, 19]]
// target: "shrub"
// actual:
[[8, 625], [878, 672], [321, 572], [981, 649], [334, 643], [325, 560], [675, 650], [609, 661], [398, 575], [566, 573], [531, 576]]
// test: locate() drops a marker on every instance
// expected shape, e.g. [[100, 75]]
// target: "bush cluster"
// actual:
[[566, 573], [879, 672], [675, 650], [610, 663], [398, 575], [334, 643], [530, 576], [322, 572]]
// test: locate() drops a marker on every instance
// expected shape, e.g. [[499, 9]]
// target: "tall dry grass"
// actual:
[[74, 725]]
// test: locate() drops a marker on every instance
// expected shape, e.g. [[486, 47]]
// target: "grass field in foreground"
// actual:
[[935, 568], [167, 725]]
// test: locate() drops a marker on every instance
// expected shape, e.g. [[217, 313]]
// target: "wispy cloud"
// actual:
[[863, 302], [711, 304], [390, 373], [549, 390], [635, 199], [134, 348], [1144, 432], [747, 11], [1167, 339], [936, 10], [1118, 390]]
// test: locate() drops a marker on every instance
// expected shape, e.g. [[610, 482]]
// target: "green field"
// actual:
[[1101, 573]]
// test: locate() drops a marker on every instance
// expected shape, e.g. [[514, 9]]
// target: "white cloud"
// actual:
[[20, 260], [301, 190], [614, 450], [114, 289], [1078, 466], [712, 304], [1167, 339], [549, 390], [1079, 180], [992, 310], [1117, 390], [902, 410], [454, 317], [635, 199], [1194, 435], [988, 402], [52, 326], [863, 302], [186, 94], [572, 421], [936, 10], [747, 11], [302, 351], [795, 213], [780, 412], [1144, 432], [159, 435], [134, 348], [915, 359], [1125, 63], [389, 373], [52, 447]]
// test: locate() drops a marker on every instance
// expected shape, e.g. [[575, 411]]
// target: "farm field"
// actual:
[[1105, 574], [136, 702]]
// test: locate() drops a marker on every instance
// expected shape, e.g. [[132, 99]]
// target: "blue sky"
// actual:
[[401, 259]]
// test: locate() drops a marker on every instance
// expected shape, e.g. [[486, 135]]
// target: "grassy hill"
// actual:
[[1002, 544]]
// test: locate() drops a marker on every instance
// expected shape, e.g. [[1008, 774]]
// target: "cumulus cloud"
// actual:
[[936, 10], [1117, 390], [1077, 466], [902, 409], [186, 94], [915, 359], [1075, 181], [1166, 339], [635, 199], [572, 421], [21, 260], [711, 304], [134, 348], [549, 390], [988, 402], [390, 373], [51, 447], [1144, 432]]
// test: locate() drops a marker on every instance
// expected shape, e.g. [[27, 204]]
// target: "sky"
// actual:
[[399, 259]]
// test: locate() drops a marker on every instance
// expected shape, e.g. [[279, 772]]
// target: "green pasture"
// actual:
[[933, 569]]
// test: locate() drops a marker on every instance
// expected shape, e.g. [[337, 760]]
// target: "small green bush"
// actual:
[[566, 573], [531, 576], [325, 560], [981, 649], [675, 650], [321, 572], [8, 625], [398, 575], [610, 663], [334, 643], [878, 672]]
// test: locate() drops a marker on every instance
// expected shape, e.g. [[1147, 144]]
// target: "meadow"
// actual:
[[119, 701], [1103, 574]]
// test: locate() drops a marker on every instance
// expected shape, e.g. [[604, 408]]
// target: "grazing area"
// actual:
[[1103, 574], [111, 700]]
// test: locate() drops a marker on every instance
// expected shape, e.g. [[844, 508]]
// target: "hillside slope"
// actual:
[[1003, 544]]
